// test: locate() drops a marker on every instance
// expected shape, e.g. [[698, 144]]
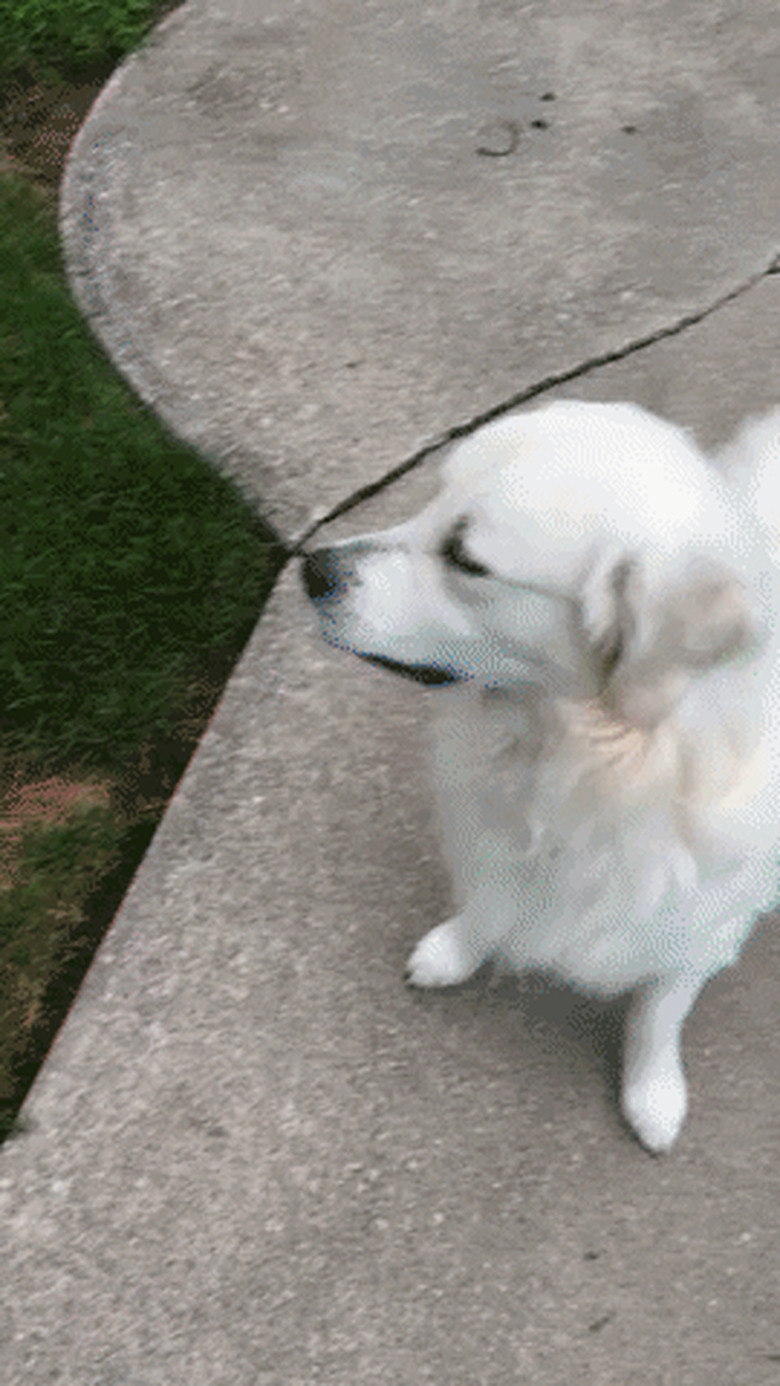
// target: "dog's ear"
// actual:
[[649, 645], [610, 608], [711, 620]]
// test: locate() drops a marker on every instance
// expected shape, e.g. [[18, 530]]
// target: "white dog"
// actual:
[[603, 603]]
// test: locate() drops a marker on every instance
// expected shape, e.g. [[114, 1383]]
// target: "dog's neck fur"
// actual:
[[590, 758]]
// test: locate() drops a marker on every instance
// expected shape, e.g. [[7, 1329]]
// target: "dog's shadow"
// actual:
[[584, 1026], [537, 1010]]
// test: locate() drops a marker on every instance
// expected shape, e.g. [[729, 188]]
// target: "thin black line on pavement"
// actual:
[[550, 382]]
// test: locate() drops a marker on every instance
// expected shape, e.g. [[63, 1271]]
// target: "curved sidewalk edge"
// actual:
[[286, 230]]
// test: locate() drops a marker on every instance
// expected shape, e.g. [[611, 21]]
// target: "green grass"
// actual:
[[131, 575], [120, 551], [67, 34]]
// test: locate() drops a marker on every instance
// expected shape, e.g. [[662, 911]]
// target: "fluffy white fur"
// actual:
[[604, 601]]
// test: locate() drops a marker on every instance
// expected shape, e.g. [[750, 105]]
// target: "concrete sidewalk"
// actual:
[[317, 243]]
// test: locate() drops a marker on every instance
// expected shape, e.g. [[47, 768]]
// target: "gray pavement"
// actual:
[[252, 1155]]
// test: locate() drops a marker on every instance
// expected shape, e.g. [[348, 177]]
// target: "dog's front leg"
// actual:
[[455, 949], [654, 1095]]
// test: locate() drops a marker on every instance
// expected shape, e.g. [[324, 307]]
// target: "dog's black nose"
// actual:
[[320, 574]]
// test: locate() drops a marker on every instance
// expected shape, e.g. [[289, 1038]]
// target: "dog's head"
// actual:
[[585, 549]]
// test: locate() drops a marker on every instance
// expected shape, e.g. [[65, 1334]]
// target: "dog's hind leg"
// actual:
[[654, 1097]]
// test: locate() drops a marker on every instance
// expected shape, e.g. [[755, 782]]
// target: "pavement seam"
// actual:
[[540, 387]]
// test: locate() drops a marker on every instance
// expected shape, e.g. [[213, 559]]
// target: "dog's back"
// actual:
[[751, 465]]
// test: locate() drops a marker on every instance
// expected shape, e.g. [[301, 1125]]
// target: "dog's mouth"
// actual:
[[421, 673]]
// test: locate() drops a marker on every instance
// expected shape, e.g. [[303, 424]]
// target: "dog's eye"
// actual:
[[453, 553]]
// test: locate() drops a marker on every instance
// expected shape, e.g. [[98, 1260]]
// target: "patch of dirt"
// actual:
[[33, 1007], [37, 126], [39, 117], [40, 803]]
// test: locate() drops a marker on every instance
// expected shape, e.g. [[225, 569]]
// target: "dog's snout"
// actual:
[[327, 573], [320, 575]]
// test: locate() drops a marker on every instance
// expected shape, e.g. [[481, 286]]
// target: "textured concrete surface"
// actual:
[[316, 235], [252, 1155]]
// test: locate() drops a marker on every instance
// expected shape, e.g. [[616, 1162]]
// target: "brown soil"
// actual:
[[38, 118], [40, 802], [37, 125]]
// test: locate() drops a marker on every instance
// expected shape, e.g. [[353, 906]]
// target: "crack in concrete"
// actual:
[[462, 430]]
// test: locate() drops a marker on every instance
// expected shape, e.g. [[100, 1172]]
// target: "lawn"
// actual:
[[131, 572]]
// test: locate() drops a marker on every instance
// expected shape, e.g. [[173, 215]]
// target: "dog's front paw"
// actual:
[[442, 958], [655, 1103]]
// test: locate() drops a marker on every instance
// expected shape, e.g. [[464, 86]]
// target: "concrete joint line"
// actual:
[[462, 430]]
